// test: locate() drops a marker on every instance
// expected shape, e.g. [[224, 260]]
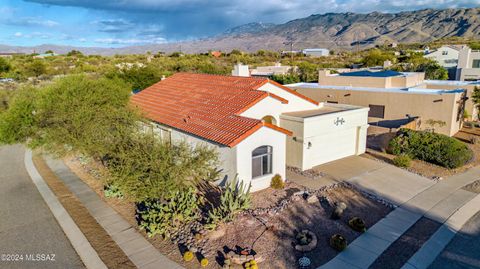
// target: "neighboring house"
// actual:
[[216, 53], [394, 98], [469, 86], [253, 123], [468, 67], [316, 52], [268, 71], [288, 52], [10, 54], [44, 55], [128, 66], [446, 56]]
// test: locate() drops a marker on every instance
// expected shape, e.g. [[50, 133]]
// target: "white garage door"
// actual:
[[332, 146]]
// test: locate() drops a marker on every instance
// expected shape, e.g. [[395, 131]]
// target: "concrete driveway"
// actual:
[[27, 226], [390, 182]]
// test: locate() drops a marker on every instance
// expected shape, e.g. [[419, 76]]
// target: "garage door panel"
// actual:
[[329, 147]]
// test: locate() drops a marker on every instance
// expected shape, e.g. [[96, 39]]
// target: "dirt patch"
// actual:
[[270, 235], [398, 253], [473, 187], [107, 249], [274, 238]]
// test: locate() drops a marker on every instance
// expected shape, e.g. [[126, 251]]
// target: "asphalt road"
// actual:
[[464, 249], [29, 232]]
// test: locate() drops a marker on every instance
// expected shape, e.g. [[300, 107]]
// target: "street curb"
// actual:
[[78, 240], [426, 255]]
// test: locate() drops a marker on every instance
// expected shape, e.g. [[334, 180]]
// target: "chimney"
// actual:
[[240, 70]]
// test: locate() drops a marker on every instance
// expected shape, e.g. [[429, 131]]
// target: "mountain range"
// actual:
[[330, 30]]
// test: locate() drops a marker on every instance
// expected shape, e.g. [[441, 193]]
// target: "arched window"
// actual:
[[269, 119], [261, 161]]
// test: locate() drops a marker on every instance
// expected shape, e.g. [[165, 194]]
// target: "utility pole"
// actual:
[[291, 52], [290, 42]]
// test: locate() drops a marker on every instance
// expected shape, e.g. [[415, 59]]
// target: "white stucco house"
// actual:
[[446, 56], [257, 126], [317, 52]]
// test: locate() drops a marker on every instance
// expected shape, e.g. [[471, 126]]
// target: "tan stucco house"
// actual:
[[394, 98]]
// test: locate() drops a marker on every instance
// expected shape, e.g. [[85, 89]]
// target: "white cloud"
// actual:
[[32, 35], [130, 41], [30, 21]]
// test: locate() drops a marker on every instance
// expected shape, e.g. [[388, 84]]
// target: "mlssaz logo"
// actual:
[[339, 121]]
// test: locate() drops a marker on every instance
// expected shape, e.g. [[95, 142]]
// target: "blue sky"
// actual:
[[114, 23]]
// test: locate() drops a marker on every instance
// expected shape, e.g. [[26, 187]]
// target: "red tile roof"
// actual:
[[207, 106]]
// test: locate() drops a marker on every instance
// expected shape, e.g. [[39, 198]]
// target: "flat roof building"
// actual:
[[395, 97], [316, 52]]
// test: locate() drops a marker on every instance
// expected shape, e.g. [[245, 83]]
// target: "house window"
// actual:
[[332, 102], [476, 64], [261, 161], [163, 133], [269, 119], [376, 111]]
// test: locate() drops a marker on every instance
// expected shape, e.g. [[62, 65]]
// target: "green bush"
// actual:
[[338, 242], [402, 160], [277, 182], [147, 168], [112, 191], [164, 218], [234, 199], [17, 122], [85, 114], [431, 147]]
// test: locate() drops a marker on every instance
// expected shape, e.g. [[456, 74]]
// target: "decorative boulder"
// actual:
[[338, 242], [357, 224], [306, 241], [338, 211], [312, 199]]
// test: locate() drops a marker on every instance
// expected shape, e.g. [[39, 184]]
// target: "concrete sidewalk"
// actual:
[[438, 201], [143, 254]]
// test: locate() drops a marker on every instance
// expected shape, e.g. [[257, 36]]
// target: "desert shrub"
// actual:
[[431, 147], [357, 224], [167, 216], [17, 122], [338, 242], [85, 114], [402, 160], [286, 79], [147, 168], [277, 182], [234, 199], [112, 191]]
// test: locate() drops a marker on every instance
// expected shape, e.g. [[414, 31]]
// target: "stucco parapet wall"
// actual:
[[311, 116], [412, 90]]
